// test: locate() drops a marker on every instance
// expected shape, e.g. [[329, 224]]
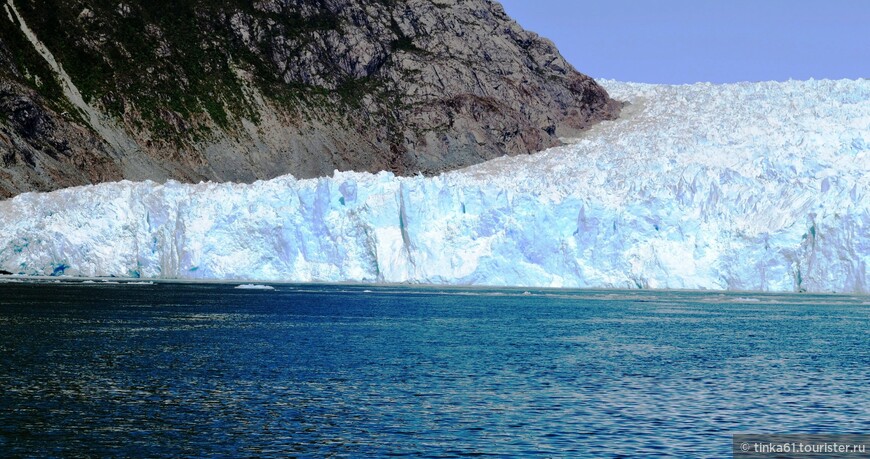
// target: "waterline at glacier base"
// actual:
[[749, 186]]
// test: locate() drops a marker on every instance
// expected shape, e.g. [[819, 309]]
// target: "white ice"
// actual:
[[255, 287], [751, 186]]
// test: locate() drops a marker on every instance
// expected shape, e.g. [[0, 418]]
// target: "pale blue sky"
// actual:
[[685, 41]]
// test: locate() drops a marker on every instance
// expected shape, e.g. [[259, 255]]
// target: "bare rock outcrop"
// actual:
[[201, 90]]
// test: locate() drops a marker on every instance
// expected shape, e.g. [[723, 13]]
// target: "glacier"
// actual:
[[746, 186]]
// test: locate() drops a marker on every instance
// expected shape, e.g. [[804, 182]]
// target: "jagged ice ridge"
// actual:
[[750, 186]]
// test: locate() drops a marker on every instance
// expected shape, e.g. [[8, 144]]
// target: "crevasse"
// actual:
[[749, 186]]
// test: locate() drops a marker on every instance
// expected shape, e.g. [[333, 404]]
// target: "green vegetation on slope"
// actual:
[[168, 63]]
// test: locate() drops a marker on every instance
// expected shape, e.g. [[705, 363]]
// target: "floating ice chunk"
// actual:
[[255, 287]]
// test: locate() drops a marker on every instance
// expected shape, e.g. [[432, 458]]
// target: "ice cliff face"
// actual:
[[759, 186]]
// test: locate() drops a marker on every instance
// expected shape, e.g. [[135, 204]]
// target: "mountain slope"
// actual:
[[760, 186], [231, 90]]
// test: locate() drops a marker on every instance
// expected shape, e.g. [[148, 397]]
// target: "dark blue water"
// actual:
[[347, 371]]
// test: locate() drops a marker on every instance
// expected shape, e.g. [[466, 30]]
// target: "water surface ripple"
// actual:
[[176, 370]]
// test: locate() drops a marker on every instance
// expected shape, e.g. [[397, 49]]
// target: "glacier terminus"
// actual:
[[747, 186]]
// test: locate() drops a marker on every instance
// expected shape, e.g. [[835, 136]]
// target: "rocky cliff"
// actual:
[[101, 90]]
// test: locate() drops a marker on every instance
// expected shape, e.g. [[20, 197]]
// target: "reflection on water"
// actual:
[[206, 369]]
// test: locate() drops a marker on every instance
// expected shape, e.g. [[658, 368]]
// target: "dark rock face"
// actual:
[[41, 151], [230, 90]]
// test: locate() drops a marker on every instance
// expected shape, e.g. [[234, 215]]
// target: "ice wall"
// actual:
[[760, 186]]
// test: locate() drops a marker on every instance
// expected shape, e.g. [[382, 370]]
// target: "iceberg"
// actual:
[[255, 287], [747, 186]]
